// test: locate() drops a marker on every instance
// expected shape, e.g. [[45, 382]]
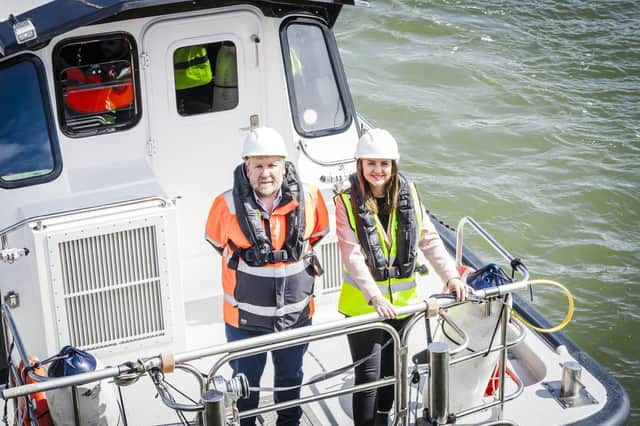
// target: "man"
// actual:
[[264, 229]]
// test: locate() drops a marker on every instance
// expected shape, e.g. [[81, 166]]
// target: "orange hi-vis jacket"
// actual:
[[278, 295]]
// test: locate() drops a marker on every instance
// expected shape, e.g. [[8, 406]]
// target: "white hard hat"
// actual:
[[264, 141], [379, 144]]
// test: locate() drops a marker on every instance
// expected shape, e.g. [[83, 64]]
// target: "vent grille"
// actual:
[[332, 264], [112, 288]]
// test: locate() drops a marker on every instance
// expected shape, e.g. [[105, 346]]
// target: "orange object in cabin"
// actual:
[[96, 100]]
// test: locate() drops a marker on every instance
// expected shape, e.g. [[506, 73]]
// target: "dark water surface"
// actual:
[[527, 118]]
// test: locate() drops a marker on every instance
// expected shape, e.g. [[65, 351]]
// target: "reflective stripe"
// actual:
[[347, 206], [285, 270], [228, 198], [395, 286], [190, 63], [320, 234], [268, 311], [226, 254], [213, 242], [418, 206]]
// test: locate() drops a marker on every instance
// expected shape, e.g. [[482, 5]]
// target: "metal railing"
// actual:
[[247, 347], [233, 350]]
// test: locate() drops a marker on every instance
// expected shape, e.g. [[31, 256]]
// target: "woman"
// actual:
[[380, 224]]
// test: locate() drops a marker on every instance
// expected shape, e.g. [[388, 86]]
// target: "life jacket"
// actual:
[[249, 218], [268, 267], [392, 267], [86, 98], [191, 67]]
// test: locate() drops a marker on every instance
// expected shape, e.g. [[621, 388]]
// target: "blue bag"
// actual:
[[70, 361], [490, 275]]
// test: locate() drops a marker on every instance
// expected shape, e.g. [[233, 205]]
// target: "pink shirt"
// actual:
[[353, 258]]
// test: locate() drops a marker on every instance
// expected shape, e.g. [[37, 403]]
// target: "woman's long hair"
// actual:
[[391, 189]]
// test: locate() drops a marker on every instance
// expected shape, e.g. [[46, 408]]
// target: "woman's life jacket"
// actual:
[[268, 267], [391, 266]]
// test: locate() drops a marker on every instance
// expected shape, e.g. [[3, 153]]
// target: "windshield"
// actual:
[[27, 153], [317, 100]]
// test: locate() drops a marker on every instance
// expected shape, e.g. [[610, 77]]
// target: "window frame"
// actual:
[[336, 67], [54, 143], [64, 128]]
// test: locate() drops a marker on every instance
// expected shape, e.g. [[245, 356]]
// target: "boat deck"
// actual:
[[533, 361]]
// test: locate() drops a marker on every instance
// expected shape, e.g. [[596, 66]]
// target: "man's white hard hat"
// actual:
[[264, 141], [377, 144]]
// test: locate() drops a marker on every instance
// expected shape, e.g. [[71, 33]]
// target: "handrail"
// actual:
[[480, 353], [333, 327], [486, 405], [163, 202], [301, 146], [22, 354], [519, 266], [268, 342], [311, 338], [453, 361]]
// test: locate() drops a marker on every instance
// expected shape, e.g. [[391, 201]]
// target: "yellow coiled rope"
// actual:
[[567, 317]]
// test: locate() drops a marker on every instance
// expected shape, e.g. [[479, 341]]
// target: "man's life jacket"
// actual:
[[191, 67], [391, 266], [249, 218], [268, 267]]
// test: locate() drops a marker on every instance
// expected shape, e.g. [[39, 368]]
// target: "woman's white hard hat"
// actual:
[[377, 144], [264, 141]]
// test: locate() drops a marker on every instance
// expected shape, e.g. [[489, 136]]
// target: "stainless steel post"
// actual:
[[213, 401], [503, 354], [439, 382], [570, 385]]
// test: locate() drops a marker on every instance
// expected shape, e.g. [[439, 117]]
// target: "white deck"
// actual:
[[534, 407]]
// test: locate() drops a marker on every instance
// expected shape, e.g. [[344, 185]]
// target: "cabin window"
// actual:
[[97, 84], [206, 78], [29, 151], [313, 74]]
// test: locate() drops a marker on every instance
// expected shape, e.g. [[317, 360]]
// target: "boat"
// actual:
[[109, 160]]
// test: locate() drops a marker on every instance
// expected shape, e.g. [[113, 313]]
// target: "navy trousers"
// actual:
[[287, 363]]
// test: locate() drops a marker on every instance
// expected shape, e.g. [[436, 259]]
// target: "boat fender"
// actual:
[[96, 402], [38, 399]]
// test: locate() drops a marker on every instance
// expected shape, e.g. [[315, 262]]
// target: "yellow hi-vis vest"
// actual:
[[399, 291], [191, 67]]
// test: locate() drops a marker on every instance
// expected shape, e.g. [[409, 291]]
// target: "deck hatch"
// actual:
[[109, 286]]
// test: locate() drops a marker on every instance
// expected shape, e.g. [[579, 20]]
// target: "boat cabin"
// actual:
[[122, 122]]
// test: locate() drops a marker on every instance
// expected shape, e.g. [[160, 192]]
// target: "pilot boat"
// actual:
[[121, 122]]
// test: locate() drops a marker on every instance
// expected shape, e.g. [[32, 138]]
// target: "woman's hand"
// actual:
[[455, 285], [383, 307]]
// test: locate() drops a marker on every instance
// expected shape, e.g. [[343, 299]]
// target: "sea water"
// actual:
[[526, 117]]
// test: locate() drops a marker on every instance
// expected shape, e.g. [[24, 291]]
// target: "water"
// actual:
[[527, 118]]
